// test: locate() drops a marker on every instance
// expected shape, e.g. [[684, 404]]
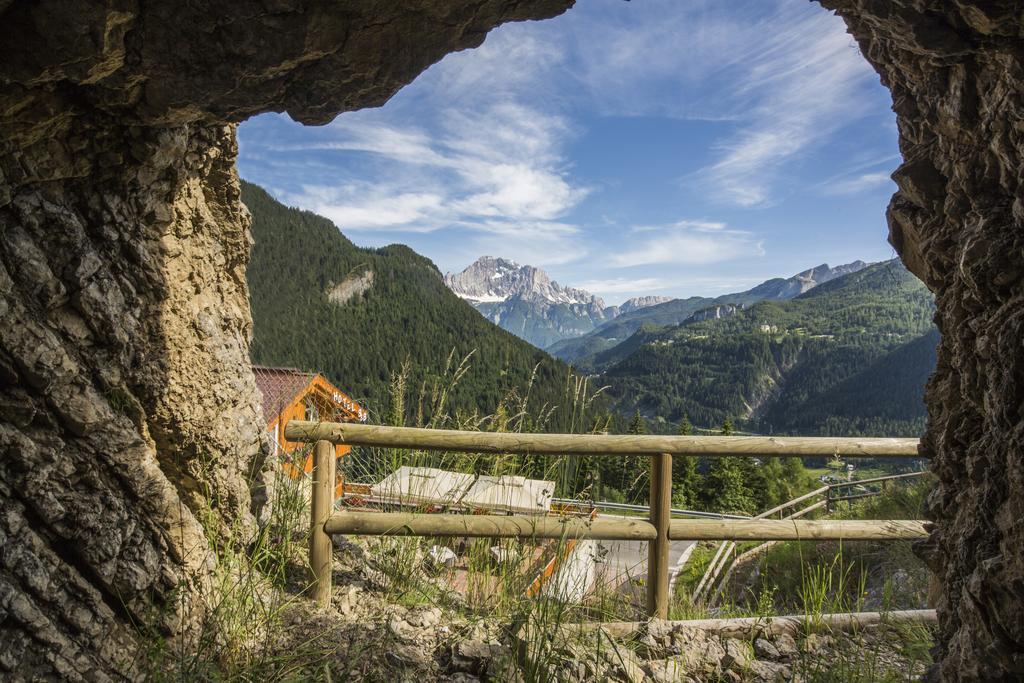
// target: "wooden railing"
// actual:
[[659, 530], [721, 559]]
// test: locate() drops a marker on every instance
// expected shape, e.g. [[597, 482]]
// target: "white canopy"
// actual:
[[422, 486], [415, 486], [510, 493]]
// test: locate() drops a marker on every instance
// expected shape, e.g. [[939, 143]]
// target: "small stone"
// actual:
[[474, 655], [672, 670], [425, 618], [770, 672], [401, 629], [815, 642], [765, 650], [737, 655], [786, 646], [402, 655]]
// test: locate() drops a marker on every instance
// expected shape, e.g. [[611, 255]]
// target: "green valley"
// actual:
[[850, 356]]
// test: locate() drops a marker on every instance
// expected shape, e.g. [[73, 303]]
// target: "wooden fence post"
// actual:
[[658, 549], [321, 507]]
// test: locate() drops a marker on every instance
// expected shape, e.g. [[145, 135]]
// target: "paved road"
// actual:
[[613, 564], [619, 563]]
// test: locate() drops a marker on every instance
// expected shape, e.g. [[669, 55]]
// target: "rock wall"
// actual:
[[956, 72], [127, 407], [129, 420]]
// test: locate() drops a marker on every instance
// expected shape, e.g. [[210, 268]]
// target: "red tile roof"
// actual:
[[279, 387]]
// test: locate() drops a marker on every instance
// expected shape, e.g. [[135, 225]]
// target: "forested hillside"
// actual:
[[582, 351], [848, 357], [321, 303]]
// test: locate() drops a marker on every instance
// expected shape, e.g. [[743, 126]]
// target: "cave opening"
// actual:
[[125, 318]]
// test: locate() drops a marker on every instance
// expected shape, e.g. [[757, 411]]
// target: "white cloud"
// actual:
[[803, 88], [411, 211], [496, 169], [785, 72], [625, 285], [698, 226], [861, 183], [690, 243]]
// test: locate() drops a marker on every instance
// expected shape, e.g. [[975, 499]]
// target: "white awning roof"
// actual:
[[509, 493], [422, 486], [415, 486]]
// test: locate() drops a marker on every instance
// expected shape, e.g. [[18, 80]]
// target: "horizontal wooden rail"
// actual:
[[486, 526], [500, 526], [795, 530], [598, 444], [628, 507]]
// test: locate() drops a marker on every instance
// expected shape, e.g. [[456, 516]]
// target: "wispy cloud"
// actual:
[[857, 184], [690, 243], [497, 169], [802, 86], [625, 285]]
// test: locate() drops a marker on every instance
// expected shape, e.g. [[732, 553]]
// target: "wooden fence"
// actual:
[[659, 530], [721, 558]]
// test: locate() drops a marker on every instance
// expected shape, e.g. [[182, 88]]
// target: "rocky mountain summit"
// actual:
[[638, 302], [525, 301], [788, 288], [490, 280]]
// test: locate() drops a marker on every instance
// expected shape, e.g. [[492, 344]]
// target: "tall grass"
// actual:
[[229, 619], [243, 606]]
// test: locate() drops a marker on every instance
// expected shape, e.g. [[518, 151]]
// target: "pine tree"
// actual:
[[725, 489], [635, 474], [685, 428], [637, 425], [726, 485], [686, 480]]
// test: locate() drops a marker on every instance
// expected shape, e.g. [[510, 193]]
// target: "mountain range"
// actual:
[[848, 355], [525, 301], [574, 324], [581, 350]]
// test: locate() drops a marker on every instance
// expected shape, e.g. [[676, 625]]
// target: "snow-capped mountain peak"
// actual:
[[491, 280]]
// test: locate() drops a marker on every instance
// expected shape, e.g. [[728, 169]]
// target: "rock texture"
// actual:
[[129, 418], [956, 72]]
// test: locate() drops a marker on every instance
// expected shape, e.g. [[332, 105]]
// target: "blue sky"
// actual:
[[630, 148]]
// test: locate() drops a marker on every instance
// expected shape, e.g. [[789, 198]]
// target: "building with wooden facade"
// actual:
[[291, 394]]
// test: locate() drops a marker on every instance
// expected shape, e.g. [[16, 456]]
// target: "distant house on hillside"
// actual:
[[290, 394]]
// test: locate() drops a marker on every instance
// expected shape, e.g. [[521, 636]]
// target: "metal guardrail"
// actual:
[[628, 507], [659, 530]]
